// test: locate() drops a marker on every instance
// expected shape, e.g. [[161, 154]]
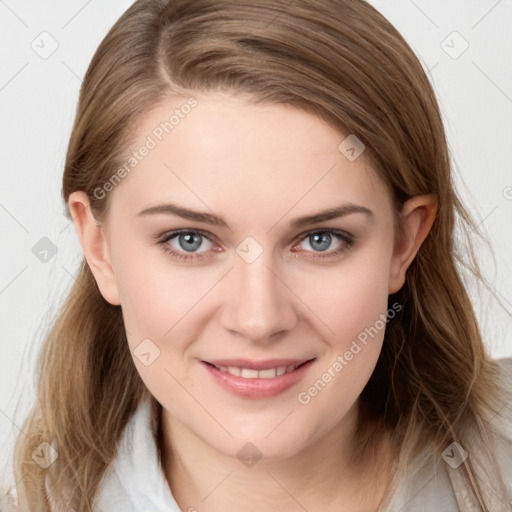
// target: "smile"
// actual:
[[249, 373], [258, 383]]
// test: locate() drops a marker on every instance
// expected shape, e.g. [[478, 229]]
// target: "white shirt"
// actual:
[[136, 482]]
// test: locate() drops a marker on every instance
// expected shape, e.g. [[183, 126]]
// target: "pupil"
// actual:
[[322, 239], [190, 241]]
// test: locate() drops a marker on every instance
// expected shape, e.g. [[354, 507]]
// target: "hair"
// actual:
[[342, 61]]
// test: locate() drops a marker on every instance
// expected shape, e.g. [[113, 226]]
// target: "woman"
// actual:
[[269, 314]]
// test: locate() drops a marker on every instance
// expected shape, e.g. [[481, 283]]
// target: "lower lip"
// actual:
[[258, 388]]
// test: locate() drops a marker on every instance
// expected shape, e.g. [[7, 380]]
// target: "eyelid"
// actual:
[[345, 237], [167, 235], [339, 232]]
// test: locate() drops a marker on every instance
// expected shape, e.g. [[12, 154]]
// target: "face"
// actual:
[[242, 244]]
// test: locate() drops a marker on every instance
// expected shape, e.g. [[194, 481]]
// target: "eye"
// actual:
[[195, 245], [330, 242], [189, 241], [179, 243]]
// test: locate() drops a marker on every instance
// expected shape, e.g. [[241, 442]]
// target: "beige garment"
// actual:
[[432, 486]]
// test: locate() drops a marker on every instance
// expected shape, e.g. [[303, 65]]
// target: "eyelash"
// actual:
[[347, 239]]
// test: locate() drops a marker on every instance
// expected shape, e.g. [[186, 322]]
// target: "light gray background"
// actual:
[[38, 97]]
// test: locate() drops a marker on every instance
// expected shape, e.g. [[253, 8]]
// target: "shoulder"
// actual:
[[500, 421], [499, 417], [504, 373], [437, 483], [488, 447]]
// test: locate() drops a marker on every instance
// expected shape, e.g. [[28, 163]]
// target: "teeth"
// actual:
[[267, 374], [248, 373]]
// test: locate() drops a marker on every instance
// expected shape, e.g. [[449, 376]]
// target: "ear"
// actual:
[[94, 245], [417, 217]]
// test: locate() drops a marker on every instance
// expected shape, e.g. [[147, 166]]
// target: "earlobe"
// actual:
[[93, 240], [417, 216]]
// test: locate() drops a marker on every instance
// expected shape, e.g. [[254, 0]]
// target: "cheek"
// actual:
[[351, 297], [158, 303], [355, 309], [155, 294]]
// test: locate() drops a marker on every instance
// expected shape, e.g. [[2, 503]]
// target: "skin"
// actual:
[[259, 167]]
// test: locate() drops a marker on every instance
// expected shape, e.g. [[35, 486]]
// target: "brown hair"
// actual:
[[340, 60]]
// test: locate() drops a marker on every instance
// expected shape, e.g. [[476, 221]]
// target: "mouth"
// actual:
[[253, 373], [263, 379]]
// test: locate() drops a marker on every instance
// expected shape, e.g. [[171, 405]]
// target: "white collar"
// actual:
[[135, 481]]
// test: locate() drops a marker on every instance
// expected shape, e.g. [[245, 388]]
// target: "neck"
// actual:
[[331, 473]]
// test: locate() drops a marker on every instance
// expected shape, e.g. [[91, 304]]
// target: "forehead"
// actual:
[[226, 153]]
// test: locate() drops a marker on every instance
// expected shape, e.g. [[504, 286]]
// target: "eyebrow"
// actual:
[[215, 220]]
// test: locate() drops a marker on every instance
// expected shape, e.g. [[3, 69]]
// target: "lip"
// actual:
[[257, 388], [257, 365]]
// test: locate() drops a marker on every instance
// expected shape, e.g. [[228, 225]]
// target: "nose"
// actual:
[[258, 305]]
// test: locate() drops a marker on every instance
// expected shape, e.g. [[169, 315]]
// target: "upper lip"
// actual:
[[257, 365]]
